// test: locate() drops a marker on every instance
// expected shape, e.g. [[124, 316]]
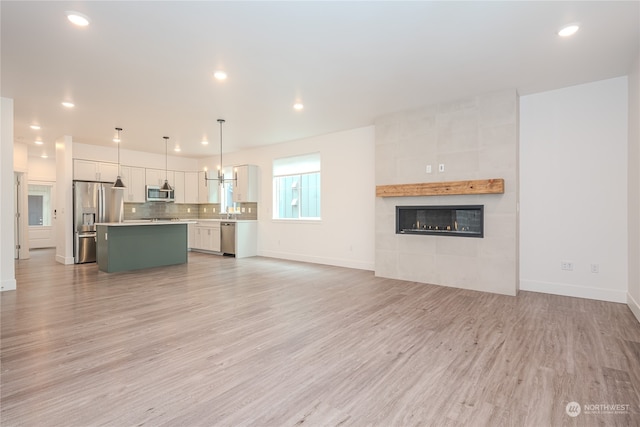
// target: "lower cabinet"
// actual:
[[206, 237]]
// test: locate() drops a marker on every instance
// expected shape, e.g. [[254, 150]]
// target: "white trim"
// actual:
[[64, 260], [338, 262], [315, 221], [8, 285], [634, 306], [573, 291]]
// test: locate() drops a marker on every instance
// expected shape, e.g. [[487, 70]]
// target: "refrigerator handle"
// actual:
[[101, 202]]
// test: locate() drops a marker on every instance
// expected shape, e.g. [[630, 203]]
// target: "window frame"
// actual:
[[277, 191]]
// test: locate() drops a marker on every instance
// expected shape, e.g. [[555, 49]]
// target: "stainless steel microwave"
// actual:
[[155, 195]]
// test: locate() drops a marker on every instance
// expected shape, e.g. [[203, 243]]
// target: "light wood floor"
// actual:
[[266, 342]]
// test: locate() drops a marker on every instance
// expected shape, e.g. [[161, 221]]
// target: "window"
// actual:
[[39, 199], [226, 192], [296, 187]]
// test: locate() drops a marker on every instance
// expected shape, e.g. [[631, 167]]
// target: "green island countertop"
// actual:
[[124, 246]]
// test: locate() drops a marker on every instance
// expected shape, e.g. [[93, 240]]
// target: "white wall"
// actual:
[[475, 138], [573, 190], [633, 297], [64, 200], [344, 236], [20, 158], [7, 252], [133, 158], [40, 169]]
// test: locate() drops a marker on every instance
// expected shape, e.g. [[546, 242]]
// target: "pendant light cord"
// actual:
[[221, 173]]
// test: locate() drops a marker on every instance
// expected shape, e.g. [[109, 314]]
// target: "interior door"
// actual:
[[16, 216], [41, 196]]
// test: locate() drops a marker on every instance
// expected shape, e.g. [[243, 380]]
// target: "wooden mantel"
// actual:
[[480, 186]]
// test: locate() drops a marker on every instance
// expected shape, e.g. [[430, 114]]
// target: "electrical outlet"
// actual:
[[428, 170], [188, 210], [566, 265], [595, 268], [214, 210], [205, 210], [242, 210], [249, 210], [441, 167], [133, 210]]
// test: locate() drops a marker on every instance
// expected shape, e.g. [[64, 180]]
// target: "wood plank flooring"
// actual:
[[263, 342]]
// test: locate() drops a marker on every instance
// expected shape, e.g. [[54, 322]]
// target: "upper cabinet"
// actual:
[[134, 179], [178, 186], [245, 188], [157, 177], [191, 187], [207, 190], [89, 170]]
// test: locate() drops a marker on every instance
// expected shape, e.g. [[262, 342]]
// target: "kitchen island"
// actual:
[[134, 245]]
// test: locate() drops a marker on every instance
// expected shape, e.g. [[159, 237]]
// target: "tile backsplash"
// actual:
[[246, 211]]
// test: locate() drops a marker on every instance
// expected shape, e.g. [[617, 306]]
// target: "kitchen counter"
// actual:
[[245, 239], [124, 246], [135, 222], [223, 220]]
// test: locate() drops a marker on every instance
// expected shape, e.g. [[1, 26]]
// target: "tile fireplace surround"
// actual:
[[475, 138]]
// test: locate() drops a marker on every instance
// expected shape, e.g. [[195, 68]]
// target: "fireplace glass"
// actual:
[[462, 221]]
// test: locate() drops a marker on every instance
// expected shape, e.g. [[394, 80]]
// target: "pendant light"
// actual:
[[220, 178], [166, 186], [118, 185]]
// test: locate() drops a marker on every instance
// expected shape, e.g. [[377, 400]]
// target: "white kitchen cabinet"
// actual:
[[178, 186], [246, 239], [157, 177], [245, 188], [191, 187], [90, 170], [207, 193], [207, 236], [134, 179]]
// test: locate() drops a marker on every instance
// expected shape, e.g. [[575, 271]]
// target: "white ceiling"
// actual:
[[147, 66]]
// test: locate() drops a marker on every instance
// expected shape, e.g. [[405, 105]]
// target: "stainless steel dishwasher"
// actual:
[[228, 238]]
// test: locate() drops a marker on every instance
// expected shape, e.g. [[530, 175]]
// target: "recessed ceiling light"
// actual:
[[569, 30], [298, 106], [220, 75], [204, 142], [38, 142], [44, 156], [35, 127], [68, 104], [77, 18], [177, 148]]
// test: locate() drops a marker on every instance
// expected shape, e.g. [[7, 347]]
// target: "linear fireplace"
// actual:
[[462, 221]]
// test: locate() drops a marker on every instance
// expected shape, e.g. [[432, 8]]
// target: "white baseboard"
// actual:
[[574, 291], [64, 260], [634, 306], [338, 262], [8, 285]]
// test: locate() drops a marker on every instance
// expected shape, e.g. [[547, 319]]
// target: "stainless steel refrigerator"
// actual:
[[93, 202]]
